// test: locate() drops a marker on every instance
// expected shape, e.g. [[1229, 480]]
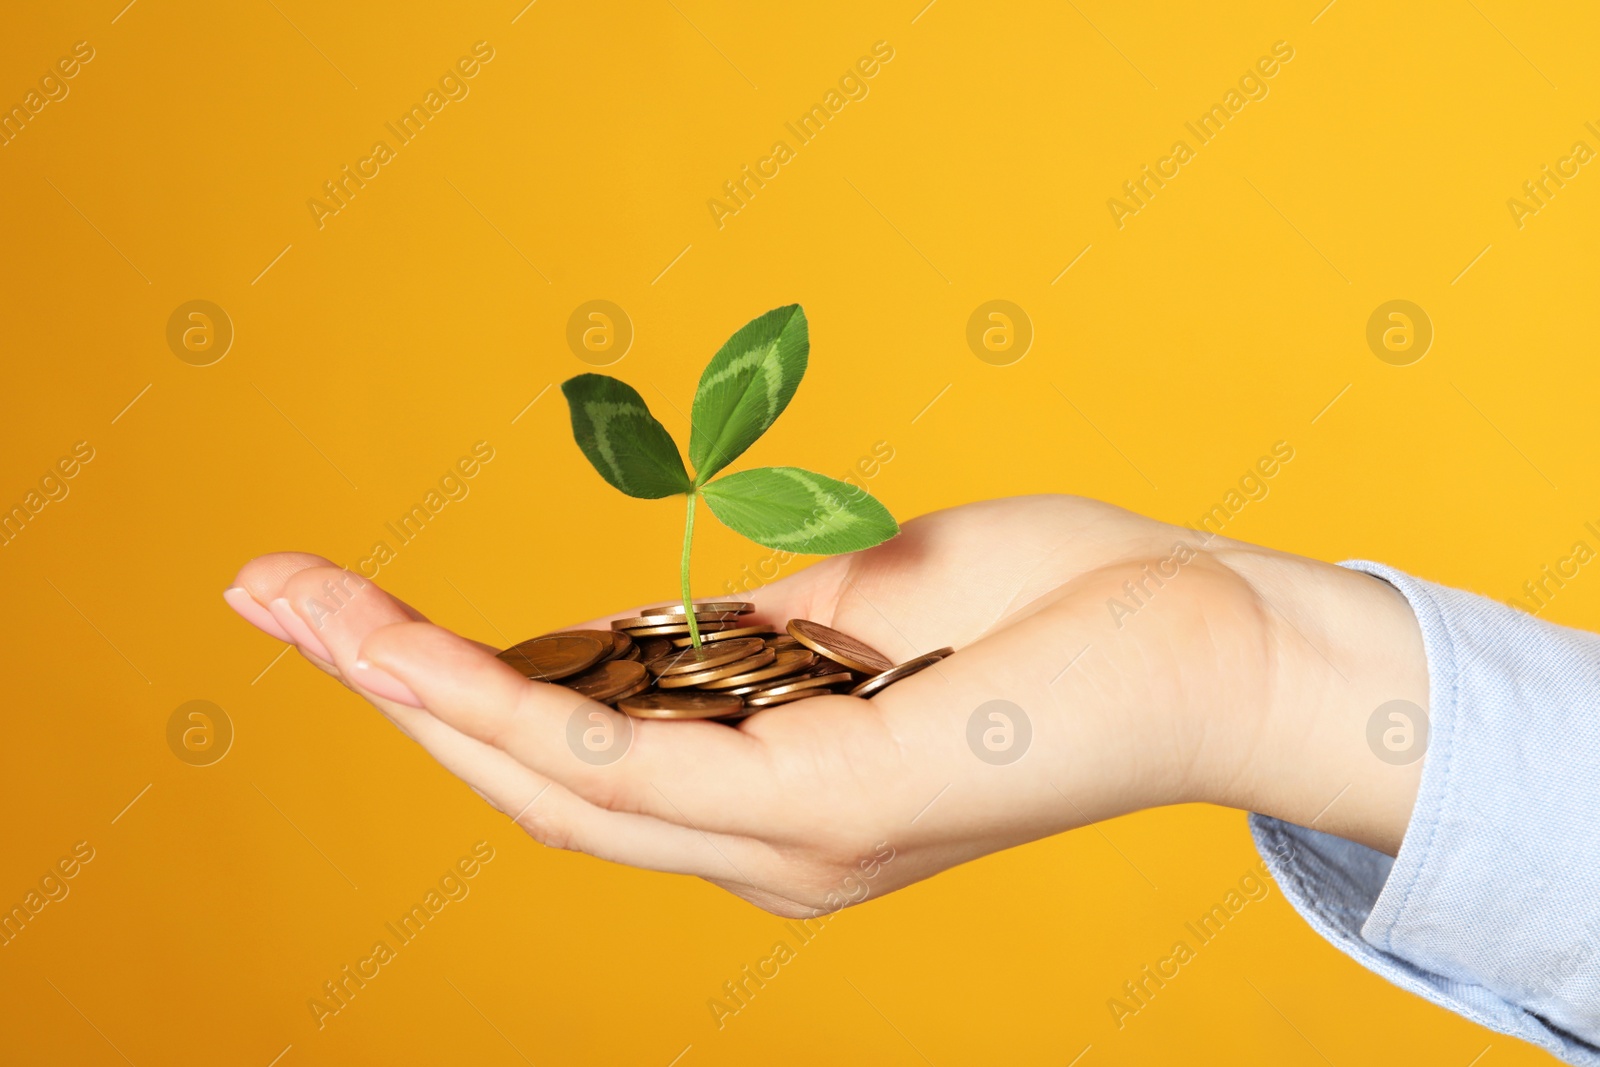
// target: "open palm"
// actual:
[[1054, 711]]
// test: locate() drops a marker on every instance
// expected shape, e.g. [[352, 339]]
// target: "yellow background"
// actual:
[[427, 315]]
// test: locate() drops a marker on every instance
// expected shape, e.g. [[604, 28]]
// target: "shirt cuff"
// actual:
[[1492, 907]]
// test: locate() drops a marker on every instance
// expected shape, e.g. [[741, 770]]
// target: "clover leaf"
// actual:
[[742, 392]]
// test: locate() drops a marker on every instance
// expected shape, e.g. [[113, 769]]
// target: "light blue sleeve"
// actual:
[[1492, 908]]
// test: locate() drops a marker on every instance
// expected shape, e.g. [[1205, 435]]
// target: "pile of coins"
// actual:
[[648, 667]]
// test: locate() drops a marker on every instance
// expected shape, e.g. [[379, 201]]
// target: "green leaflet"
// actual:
[[745, 388], [626, 444], [742, 392], [797, 510]]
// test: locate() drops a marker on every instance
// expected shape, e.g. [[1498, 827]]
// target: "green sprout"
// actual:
[[742, 392]]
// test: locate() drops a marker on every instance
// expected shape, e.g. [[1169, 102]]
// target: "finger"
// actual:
[[259, 585], [554, 816], [239, 599], [337, 609], [665, 770], [341, 608]]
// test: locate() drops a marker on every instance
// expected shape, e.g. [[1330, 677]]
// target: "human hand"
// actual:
[[1205, 686]]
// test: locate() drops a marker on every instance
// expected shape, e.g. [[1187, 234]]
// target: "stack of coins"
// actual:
[[647, 666]]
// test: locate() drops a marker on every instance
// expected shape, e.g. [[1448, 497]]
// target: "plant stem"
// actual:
[[688, 539]]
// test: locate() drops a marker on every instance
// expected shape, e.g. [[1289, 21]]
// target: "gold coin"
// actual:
[[645, 622], [820, 680], [652, 647], [736, 717], [644, 684], [677, 629], [745, 690], [691, 704], [772, 701], [609, 680], [783, 664], [687, 660], [780, 642], [841, 648], [879, 682], [710, 607], [726, 670], [725, 635], [617, 643], [553, 656]]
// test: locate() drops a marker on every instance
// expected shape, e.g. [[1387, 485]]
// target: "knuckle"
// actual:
[[551, 831], [307, 583], [611, 792], [487, 799], [265, 576], [783, 908], [509, 732]]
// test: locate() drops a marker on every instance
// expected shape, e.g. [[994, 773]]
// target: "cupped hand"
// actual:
[[1057, 708]]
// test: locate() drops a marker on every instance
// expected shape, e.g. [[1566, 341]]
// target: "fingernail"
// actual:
[[376, 680], [299, 632], [240, 600]]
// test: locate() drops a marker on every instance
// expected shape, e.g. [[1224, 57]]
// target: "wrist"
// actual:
[[1348, 675]]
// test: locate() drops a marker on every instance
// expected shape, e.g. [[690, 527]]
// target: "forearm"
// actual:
[[1488, 905]]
